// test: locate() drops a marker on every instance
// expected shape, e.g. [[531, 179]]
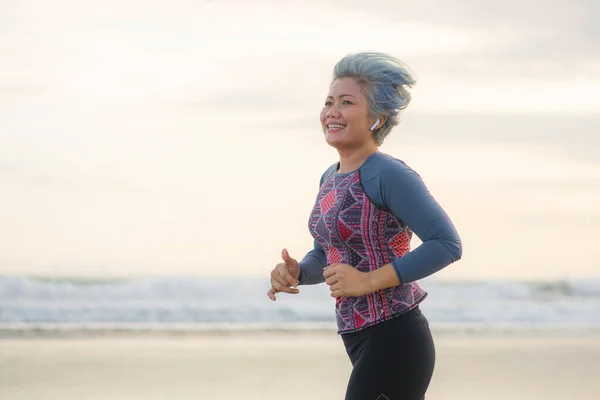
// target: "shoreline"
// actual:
[[66, 331]]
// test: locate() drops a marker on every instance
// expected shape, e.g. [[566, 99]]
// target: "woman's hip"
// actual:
[[400, 336]]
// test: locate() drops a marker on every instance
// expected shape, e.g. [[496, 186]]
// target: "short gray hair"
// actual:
[[384, 80]]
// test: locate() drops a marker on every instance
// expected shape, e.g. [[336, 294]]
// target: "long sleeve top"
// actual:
[[366, 218]]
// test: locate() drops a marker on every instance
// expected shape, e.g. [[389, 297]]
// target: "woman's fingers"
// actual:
[[278, 289], [278, 279], [285, 274], [280, 285], [332, 280], [282, 280], [285, 289]]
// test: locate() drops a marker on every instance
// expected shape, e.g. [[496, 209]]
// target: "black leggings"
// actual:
[[392, 360]]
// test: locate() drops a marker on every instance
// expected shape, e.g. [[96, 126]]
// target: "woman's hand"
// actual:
[[345, 280], [284, 277]]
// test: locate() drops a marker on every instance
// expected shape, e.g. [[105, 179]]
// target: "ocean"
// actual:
[[227, 304]]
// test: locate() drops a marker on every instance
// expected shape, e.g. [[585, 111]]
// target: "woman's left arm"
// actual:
[[403, 192]]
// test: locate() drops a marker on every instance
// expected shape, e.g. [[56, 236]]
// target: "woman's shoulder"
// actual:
[[383, 165], [330, 170]]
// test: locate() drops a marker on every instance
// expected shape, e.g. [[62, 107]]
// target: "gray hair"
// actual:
[[384, 80]]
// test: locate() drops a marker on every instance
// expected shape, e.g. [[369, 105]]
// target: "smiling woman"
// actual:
[[368, 82], [367, 208]]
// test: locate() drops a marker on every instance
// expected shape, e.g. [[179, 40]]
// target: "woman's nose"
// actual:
[[332, 112]]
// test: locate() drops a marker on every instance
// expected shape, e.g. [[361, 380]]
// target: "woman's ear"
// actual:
[[378, 123]]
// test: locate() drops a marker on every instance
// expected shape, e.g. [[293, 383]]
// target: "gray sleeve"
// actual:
[[401, 190], [311, 266]]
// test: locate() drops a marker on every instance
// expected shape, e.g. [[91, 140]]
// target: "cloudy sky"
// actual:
[[182, 137]]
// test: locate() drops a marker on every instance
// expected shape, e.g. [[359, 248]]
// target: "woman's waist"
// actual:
[[394, 297], [352, 316]]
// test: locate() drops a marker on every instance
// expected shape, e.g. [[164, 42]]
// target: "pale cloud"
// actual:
[[118, 55], [528, 15]]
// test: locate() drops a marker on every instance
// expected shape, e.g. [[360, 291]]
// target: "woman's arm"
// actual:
[[403, 192], [311, 266]]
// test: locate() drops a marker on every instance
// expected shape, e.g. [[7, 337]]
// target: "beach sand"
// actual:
[[283, 366]]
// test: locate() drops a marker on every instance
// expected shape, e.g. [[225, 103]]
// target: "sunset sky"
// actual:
[[182, 137]]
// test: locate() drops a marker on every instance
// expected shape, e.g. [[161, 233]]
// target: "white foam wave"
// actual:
[[201, 301]]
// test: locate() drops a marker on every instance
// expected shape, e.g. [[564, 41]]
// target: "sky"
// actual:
[[182, 137]]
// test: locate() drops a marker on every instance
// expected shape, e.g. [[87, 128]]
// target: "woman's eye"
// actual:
[[329, 103]]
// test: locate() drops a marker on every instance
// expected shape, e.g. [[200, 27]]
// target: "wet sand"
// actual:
[[283, 366]]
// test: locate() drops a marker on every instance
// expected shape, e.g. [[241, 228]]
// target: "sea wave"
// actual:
[[199, 302]]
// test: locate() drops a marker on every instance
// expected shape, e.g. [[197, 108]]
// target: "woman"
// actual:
[[368, 205]]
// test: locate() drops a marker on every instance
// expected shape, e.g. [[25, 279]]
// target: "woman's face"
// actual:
[[345, 116]]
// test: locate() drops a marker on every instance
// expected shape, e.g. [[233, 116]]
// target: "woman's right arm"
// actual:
[[311, 266]]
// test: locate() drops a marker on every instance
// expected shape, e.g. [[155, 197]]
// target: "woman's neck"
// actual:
[[351, 160]]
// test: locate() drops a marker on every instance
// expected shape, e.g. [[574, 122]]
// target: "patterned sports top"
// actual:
[[365, 218]]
